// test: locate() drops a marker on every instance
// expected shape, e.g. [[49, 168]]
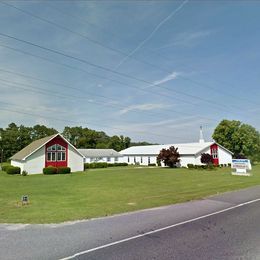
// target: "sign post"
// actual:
[[242, 167]]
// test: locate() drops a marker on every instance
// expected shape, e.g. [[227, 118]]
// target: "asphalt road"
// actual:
[[219, 227]]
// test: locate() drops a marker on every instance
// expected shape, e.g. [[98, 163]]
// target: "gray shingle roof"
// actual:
[[19, 156], [96, 153]]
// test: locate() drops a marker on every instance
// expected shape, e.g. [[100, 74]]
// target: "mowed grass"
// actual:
[[103, 192]]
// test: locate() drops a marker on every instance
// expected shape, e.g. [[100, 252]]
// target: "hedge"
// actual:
[[95, 165], [116, 164], [56, 170], [50, 170], [63, 170], [151, 164], [13, 170], [201, 167], [5, 167]]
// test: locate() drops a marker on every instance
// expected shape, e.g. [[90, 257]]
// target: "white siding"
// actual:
[[103, 159], [75, 160], [18, 164], [224, 156], [35, 162], [186, 159]]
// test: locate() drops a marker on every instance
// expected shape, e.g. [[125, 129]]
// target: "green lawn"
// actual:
[[102, 192]]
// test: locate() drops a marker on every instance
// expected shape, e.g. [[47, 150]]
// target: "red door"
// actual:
[[56, 153], [214, 153]]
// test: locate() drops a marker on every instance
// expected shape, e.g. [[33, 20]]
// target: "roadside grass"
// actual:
[[103, 192]]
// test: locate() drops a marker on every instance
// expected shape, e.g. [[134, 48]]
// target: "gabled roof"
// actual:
[[36, 145], [183, 149], [96, 153]]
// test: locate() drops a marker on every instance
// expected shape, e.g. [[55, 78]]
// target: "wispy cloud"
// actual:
[[141, 44], [172, 76], [143, 107], [187, 39]]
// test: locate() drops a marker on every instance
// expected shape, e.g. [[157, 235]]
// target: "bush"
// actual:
[[13, 170], [211, 167], [95, 165], [24, 173], [63, 170], [190, 166], [50, 170], [151, 164], [5, 167], [116, 164]]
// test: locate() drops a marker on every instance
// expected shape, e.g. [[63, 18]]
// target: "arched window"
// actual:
[[56, 153]]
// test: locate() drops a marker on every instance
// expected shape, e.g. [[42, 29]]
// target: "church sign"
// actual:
[[242, 167]]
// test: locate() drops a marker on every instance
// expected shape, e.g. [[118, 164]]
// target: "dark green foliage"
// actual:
[[49, 170], [158, 162], [5, 167], [95, 165], [152, 164], [13, 170], [63, 170], [241, 139], [190, 166], [116, 164], [88, 138], [24, 173], [140, 143], [15, 138], [170, 156]]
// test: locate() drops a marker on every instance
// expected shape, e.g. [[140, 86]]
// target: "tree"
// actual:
[[241, 139], [206, 158], [170, 156]]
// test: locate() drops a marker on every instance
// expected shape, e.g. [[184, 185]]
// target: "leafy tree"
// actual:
[[170, 156], [41, 131], [241, 139], [206, 158]]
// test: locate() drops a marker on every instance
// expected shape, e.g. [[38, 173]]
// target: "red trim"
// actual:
[[214, 150], [62, 142]]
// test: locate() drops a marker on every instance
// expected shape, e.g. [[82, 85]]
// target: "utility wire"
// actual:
[[94, 65], [77, 122], [85, 98], [116, 50], [198, 83], [98, 76]]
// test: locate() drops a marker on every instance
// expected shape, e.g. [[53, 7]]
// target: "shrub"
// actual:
[[24, 173], [63, 170], [211, 167], [190, 166], [50, 170], [13, 170], [151, 164], [5, 167], [86, 166], [95, 165]]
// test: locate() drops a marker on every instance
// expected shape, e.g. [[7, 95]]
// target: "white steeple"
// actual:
[[201, 136]]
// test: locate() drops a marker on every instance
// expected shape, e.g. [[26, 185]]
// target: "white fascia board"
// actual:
[[24, 159]]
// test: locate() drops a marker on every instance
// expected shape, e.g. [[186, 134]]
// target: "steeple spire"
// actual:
[[201, 136]]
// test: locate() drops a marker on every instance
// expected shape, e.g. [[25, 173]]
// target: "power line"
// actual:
[[96, 75], [57, 94], [94, 65], [223, 92], [77, 122], [119, 51]]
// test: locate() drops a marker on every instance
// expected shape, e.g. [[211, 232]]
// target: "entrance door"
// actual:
[[214, 154], [56, 153]]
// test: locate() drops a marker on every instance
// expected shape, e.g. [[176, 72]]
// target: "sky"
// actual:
[[152, 70]]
